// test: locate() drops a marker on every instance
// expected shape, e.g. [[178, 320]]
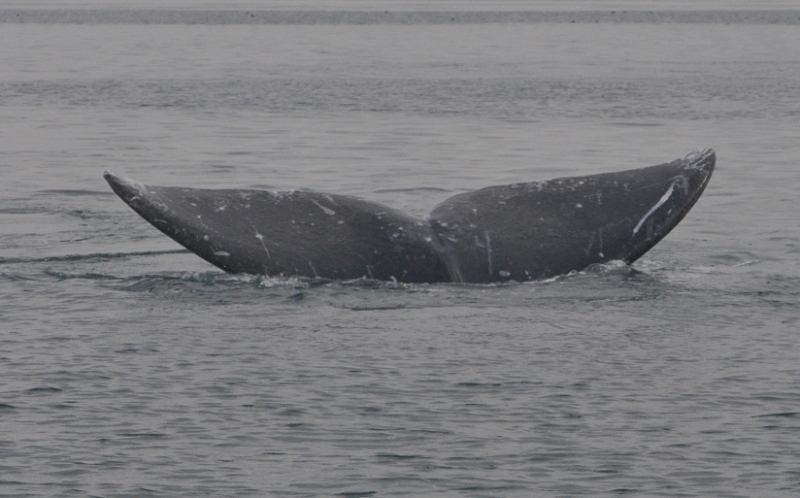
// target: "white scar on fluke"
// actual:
[[328, 211], [660, 203]]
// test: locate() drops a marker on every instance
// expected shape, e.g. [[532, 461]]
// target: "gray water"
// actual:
[[130, 367]]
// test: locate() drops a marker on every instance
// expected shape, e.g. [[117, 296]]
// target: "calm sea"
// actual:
[[130, 367]]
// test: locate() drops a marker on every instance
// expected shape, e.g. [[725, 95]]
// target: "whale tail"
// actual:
[[520, 232], [293, 233], [539, 230]]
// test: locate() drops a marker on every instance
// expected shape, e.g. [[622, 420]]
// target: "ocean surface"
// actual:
[[130, 367]]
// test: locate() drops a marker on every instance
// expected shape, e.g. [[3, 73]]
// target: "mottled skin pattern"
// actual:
[[519, 232]]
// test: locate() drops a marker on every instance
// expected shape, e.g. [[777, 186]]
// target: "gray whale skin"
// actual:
[[523, 231]]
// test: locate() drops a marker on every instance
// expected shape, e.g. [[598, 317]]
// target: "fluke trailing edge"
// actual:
[[523, 231]]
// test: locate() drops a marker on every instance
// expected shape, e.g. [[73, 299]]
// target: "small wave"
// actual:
[[397, 456], [22, 210], [400, 306], [91, 256], [216, 284], [615, 267], [410, 189], [152, 281], [780, 415], [60, 275], [147, 435], [43, 390], [643, 124], [370, 283], [74, 192]]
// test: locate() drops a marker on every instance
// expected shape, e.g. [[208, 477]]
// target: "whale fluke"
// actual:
[[523, 231]]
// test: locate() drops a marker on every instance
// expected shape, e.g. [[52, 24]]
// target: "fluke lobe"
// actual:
[[523, 231]]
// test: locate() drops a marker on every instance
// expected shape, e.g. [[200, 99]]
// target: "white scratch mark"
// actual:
[[223, 254], [664, 198], [261, 239], [328, 211]]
